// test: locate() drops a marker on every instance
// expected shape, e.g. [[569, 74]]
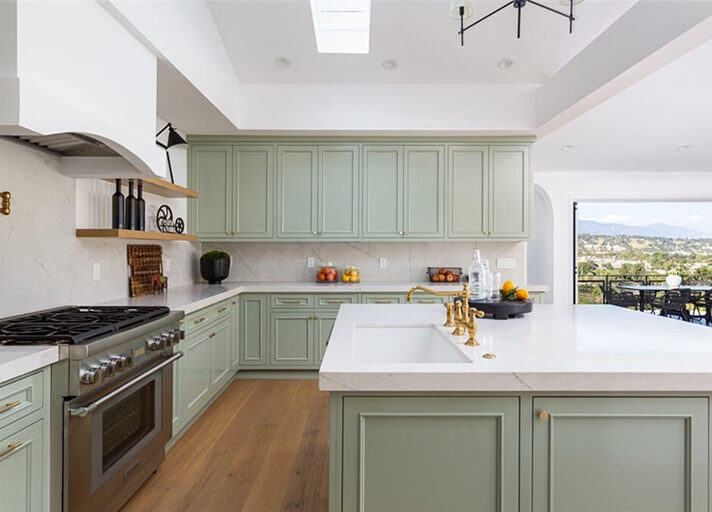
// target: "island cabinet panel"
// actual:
[[509, 192], [325, 321], [383, 192], [468, 192], [297, 191], [613, 454], [424, 194], [339, 172], [253, 170], [211, 177], [253, 330], [430, 453], [291, 335], [23, 485]]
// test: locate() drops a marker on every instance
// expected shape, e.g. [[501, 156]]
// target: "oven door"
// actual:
[[117, 441]]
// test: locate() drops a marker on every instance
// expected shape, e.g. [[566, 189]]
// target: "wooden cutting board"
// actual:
[[146, 270]]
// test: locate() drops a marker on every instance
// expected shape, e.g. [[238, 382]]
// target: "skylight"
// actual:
[[341, 26]]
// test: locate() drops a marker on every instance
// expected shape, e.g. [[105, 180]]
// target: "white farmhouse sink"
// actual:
[[408, 343]]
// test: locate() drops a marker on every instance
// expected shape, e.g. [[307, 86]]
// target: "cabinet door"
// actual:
[[196, 372], [338, 192], [297, 191], [431, 453], [254, 188], [325, 321], [614, 454], [235, 335], [424, 199], [22, 484], [178, 382], [291, 335], [211, 175], [468, 192], [253, 330], [510, 191], [219, 354], [382, 192]]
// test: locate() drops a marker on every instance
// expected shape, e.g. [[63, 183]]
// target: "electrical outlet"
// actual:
[[310, 262], [167, 265], [506, 263], [96, 271], [383, 262]]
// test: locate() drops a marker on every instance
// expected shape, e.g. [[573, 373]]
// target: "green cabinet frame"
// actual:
[[211, 176], [253, 330], [291, 338], [252, 203]]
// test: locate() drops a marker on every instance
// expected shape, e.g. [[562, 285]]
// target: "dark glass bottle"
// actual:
[[118, 213], [141, 209], [131, 208]]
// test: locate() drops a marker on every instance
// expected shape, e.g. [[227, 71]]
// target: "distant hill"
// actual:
[[591, 227]]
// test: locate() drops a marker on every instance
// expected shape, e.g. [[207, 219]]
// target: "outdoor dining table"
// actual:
[[642, 288]]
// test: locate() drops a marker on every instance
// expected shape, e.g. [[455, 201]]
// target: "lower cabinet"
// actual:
[[382, 298], [615, 454], [220, 353], [253, 330], [324, 325], [430, 453], [292, 338], [22, 478], [196, 373]]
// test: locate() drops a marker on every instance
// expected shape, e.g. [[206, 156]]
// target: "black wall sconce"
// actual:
[[174, 139]]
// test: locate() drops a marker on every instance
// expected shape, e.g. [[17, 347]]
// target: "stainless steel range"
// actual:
[[112, 396]]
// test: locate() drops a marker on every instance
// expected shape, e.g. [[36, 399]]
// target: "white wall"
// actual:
[[563, 188], [540, 248]]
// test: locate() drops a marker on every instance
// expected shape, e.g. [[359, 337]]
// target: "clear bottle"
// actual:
[[496, 287], [486, 287], [475, 275]]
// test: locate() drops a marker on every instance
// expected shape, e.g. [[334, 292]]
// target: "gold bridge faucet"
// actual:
[[459, 314]]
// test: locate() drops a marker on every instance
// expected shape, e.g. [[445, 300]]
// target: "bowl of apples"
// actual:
[[327, 274], [444, 274]]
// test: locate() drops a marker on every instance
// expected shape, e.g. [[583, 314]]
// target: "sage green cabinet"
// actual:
[[196, 372], [510, 192], [291, 338], [220, 353], [23, 485], [382, 192], [252, 206], [613, 454], [424, 194], [253, 330], [339, 192], [178, 387], [297, 190], [430, 453], [468, 191], [212, 178], [324, 325], [382, 298], [235, 336]]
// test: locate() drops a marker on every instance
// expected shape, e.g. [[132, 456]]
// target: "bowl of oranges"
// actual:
[[327, 274], [511, 292]]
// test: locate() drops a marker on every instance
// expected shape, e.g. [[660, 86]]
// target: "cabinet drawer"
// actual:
[[429, 300], [333, 301], [207, 316], [383, 299], [291, 301], [20, 398]]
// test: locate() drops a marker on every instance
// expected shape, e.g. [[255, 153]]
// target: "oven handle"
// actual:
[[83, 411]]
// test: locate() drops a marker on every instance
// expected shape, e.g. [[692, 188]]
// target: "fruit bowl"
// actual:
[[350, 275], [444, 274], [327, 274]]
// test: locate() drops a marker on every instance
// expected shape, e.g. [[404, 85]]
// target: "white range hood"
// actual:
[[74, 81]]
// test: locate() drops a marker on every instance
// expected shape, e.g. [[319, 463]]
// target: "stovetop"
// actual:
[[74, 324]]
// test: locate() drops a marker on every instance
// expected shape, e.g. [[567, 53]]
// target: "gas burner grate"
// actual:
[[74, 324]]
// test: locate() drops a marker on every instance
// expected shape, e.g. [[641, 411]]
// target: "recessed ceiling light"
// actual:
[[683, 148], [282, 62], [567, 147], [390, 64], [505, 63]]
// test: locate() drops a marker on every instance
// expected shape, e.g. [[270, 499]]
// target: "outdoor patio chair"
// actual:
[[674, 303], [622, 299]]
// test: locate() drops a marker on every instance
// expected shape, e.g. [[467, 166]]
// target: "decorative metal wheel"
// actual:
[[164, 218], [179, 225]]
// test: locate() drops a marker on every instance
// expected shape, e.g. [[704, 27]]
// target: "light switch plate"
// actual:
[[310, 262], [96, 271], [383, 262], [506, 263]]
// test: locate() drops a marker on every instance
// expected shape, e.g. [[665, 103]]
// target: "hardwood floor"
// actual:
[[262, 446]]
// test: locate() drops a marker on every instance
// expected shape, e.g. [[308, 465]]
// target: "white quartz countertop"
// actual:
[[19, 360], [555, 348], [190, 298]]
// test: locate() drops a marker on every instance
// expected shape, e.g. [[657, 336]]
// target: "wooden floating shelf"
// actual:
[[161, 187], [133, 235]]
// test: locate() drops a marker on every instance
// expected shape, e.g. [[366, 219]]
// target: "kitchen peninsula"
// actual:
[[583, 408]]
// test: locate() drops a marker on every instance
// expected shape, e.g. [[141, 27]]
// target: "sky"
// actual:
[[696, 216]]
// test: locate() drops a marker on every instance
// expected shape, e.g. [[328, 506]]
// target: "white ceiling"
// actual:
[[642, 127], [418, 34]]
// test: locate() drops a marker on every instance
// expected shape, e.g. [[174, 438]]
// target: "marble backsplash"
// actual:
[[286, 261]]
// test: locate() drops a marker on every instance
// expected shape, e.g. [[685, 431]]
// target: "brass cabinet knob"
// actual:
[[544, 416], [313, 233], [5, 205]]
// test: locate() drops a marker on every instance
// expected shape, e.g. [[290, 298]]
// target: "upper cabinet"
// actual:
[[386, 192]]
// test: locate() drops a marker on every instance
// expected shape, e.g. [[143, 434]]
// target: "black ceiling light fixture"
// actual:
[[462, 9], [174, 139]]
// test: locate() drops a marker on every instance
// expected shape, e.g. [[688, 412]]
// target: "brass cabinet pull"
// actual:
[[198, 321], [222, 310], [5, 207], [544, 416], [9, 405], [10, 448], [291, 301], [334, 301], [383, 301], [211, 335], [234, 302]]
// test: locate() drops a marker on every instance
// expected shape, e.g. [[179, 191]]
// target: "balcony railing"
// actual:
[[596, 289]]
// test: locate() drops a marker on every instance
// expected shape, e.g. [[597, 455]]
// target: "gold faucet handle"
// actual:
[[472, 327], [477, 313], [450, 311], [459, 320]]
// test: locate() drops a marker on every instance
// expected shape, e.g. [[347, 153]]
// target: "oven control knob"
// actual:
[[156, 343], [126, 360], [90, 375], [117, 362], [167, 339], [108, 367]]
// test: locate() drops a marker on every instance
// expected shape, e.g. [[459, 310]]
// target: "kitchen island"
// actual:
[[583, 408]]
